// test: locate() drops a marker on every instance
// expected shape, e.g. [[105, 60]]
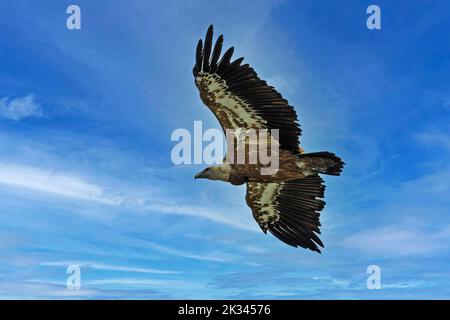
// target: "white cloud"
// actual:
[[19, 108], [54, 183], [211, 256], [404, 285], [72, 186], [100, 266], [332, 281], [435, 184], [399, 240], [38, 289], [230, 220], [434, 139], [145, 283], [447, 104]]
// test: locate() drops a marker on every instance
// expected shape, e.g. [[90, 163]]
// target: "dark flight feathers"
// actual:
[[290, 210], [244, 83], [296, 207]]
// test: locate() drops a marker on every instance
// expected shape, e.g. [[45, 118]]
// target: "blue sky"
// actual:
[[86, 176]]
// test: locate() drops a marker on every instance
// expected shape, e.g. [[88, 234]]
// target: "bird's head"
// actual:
[[221, 172]]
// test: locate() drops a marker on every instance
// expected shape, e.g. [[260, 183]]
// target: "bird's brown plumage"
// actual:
[[290, 210], [287, 203]]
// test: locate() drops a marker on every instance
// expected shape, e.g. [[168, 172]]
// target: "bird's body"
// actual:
[[291, 167], [287, 201]]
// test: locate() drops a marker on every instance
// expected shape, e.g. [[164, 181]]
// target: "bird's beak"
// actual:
[[199, 175]]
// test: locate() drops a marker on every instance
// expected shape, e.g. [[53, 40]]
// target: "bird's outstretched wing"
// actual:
[[289, 210], [238, 97]]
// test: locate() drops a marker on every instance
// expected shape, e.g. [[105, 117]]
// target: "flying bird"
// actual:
[[288, 202]]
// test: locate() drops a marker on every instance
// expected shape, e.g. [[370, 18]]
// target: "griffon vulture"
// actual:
[[288, 202]]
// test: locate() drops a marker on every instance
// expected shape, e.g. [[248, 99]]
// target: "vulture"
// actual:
[[288, 202]]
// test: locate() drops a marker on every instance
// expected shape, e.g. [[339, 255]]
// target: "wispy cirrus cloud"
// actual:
[[101, 266], [42, 289], [52, 182], [434, 139], [159, 283], [398, 240], [70, 185], [202, 212], [405, 285], [208, 256], [434, 184], [20, 108]]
